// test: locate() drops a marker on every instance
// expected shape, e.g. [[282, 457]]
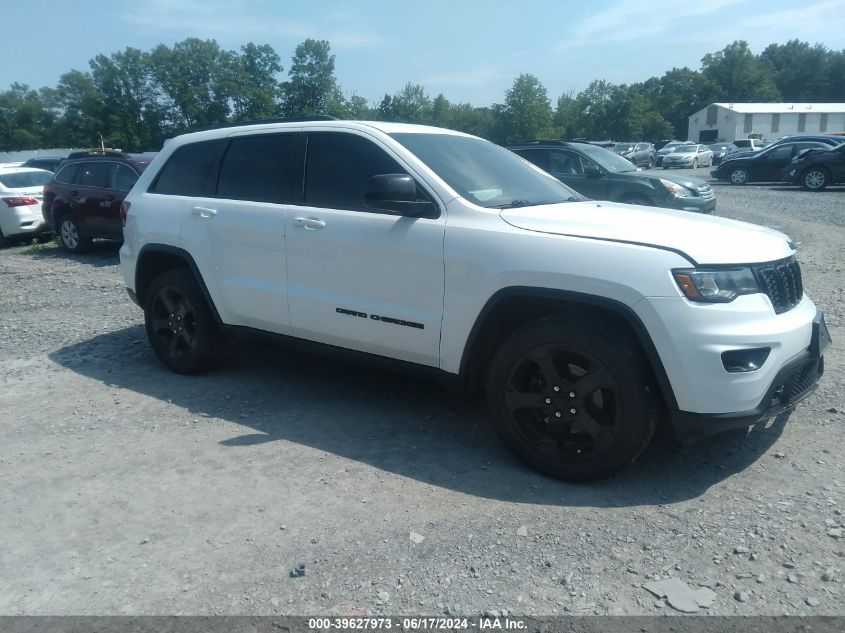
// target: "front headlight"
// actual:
[[715, 286], [679, 191]]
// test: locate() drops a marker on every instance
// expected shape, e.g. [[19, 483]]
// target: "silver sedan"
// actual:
[[688, 156]]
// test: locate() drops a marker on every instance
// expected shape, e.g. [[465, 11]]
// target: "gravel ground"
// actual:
[[130, 490]]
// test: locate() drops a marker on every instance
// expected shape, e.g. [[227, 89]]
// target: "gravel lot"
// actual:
[[130, 490]]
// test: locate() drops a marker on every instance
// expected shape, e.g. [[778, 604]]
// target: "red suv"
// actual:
[[83, 199]]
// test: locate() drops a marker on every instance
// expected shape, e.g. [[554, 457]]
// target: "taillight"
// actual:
[[20, 201], [124, 209]]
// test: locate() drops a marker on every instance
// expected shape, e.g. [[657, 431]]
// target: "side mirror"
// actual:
[[592, 171], [396, 193]]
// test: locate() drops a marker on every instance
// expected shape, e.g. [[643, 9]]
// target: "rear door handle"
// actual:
[[311, 224], [204, 212]]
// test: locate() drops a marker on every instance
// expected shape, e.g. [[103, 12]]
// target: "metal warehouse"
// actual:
[[729, 121]]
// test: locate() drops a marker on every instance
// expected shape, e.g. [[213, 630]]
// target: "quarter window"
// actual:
[[338, 168], [262, 168], [191, 170]]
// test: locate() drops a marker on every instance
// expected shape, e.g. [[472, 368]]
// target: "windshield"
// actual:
[[718, 147], [670, 146], [685, 149], [24, 179], [607, 160], [623, 147], [484, 173], [741, 143]]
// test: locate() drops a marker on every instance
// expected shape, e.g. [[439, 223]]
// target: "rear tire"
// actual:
[[570, 400], [815, 179], [70, 236], [180, 325]]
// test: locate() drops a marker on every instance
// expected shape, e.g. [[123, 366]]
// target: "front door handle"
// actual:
[[311, 224], [204, 212]]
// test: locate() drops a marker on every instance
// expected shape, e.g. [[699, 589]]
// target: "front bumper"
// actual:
[[677, 163], [794, 382]]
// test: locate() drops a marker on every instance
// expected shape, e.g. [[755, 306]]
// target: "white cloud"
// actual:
[[227, 19], [627, 21]]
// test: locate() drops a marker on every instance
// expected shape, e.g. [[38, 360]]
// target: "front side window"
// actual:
[[338, 167], [783, 151], [191, 170], [484, 173], [566, 163], [94, 175], [262, 168], [539, 157]]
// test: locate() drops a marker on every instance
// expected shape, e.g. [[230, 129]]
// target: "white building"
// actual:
[[729, 121]]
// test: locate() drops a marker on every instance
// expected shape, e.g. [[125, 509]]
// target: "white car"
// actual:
[[445, 254], [693, 156], [21, 192]]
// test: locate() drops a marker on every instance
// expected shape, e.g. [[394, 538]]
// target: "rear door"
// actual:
[[237, 232], [93, 198], [359, 278]]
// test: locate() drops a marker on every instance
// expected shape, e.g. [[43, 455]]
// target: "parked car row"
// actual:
[[641, 154], [815, 167]]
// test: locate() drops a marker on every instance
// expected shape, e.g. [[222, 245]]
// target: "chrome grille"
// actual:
[[781, 281]]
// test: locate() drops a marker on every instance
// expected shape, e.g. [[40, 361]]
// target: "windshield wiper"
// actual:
[[513, 204]]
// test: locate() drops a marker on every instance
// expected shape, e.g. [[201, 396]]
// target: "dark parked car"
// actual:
[[721, 150], [50, 163], [641, 154], [765, 165], [816, 169], [600, 174], [83, 199]]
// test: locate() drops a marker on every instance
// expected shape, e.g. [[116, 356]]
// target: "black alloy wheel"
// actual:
[[180, 326], [571, 401]]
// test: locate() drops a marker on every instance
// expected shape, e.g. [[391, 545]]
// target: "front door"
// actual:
[[357, 278], [580, 173]]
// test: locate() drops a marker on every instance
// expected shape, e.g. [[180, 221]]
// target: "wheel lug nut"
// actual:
[[571, 394], [548, 400], [557, 414], [556, 388], [573, 411]]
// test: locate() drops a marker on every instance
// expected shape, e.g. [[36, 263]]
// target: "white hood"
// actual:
[[704, 239]]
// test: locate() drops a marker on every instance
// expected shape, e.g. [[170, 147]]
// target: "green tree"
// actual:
[[739, 74], [255, 91], [20, 118], [312, 87], [195, 81], [77, 106], [799, 70], [527, 109]]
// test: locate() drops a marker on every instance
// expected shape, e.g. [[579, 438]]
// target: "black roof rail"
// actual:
[[287, 119], [93, 153]]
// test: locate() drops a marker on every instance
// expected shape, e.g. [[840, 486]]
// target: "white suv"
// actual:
[[442, 252]]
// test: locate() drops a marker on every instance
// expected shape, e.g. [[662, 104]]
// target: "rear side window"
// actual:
[[67, 174], [24, 179], [123, 177], [262, 168], [191, 170], [94, 175], [539, 157], [338, 168]]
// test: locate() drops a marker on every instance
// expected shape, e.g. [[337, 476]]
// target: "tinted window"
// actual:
[[783, 151], [24, 179], [261, 168], [338, 167], [191, 170], [123, 177], [67, 174], [539, 157], [94, 175], [566, 163]]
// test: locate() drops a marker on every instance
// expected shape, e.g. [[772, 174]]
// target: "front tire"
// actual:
[[570, 400], [71, 237], [180, 325], [739, 176], [695, 164], [815, 179]]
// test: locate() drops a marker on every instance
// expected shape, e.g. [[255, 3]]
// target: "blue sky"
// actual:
[[471, 50]]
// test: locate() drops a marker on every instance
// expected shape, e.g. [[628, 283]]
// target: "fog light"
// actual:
[[745, 360]]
